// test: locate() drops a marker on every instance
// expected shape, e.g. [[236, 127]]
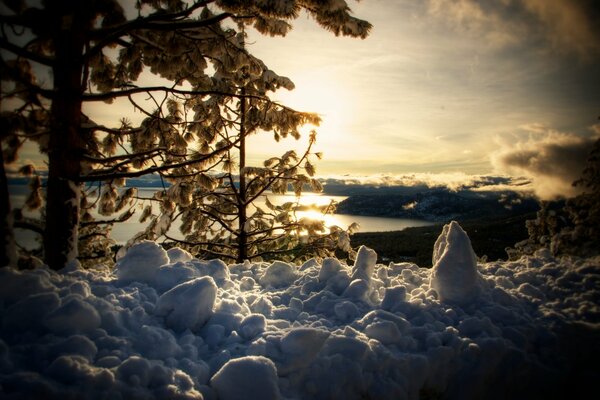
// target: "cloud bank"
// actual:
[[453, 181], [552, 160]]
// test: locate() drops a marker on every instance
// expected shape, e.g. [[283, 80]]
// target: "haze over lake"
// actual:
[[124, 231]]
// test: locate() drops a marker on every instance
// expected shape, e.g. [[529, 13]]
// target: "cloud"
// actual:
[[539, 161], [552, 160], [561, 26], [469, 17], [452, 181], [568, 25]]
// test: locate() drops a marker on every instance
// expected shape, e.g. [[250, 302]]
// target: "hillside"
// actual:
[[438, 205], [489, 237], [494, 220]]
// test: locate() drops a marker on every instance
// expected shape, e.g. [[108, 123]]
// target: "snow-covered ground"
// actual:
[[164, 325]]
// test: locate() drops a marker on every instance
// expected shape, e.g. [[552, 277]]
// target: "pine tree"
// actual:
[[61, 54], [218, 212]]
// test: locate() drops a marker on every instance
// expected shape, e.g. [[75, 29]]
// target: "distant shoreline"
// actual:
[[490, 233], [488, 237]]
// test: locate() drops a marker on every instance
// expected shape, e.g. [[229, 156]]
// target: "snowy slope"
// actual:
[[164, 325]]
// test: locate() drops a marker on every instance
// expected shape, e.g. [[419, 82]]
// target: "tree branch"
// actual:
[[103, 175], [29, 225], [156, 22], [128, 157], [13, 48], [136, 90], [122, 218], [278, 175]]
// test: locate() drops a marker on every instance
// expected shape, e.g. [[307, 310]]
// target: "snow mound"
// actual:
[[74, 315], [193, 329], [454, 274], [364, 265], [278, 274], [188, 305], [245, 378], [176, 254], [141, 262]]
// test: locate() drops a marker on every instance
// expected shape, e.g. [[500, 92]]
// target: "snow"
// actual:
[[364, 265], [454, 275], [74, 315], [252, 325], [164, 325], [250, 377], [141, 262], [278, 274], [176, 254], [188, 305]]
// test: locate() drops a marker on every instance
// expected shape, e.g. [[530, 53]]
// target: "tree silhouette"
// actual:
[[219, 212], [59, 55]]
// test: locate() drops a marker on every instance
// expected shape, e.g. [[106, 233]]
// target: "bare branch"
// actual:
[[135, 90], [29, 225], [155, 22], [22, 52], [127, 157]]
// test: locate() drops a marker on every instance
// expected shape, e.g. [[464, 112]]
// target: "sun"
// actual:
[[319, 94], [328, 98], [316, 93]]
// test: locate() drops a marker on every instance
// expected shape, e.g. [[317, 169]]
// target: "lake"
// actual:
[[124, 231]]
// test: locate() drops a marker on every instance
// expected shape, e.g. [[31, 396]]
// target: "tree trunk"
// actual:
[[242, 217], [65, 147], [8, 255]]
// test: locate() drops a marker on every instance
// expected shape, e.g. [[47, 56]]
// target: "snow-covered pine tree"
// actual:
[[58, 55], [230, 215], [218, 211]]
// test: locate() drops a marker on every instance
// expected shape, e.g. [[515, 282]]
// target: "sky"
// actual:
[[448, 87]]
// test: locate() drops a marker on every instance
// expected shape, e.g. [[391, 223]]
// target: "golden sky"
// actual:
[[465, 87], [441, 85]]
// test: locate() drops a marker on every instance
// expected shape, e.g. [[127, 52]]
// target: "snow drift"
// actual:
[[454, 274], [167, 326]]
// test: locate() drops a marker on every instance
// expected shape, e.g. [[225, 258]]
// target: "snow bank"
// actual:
[[166, 326], [188, 305], [278, 274], [141, 262], [247, 378], [454, 275]]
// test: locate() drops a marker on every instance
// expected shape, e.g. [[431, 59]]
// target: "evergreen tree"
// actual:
[[219, 212], [58, 55]]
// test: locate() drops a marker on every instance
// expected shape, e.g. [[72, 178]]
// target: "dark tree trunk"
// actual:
[[65, 147], [242, 217], [8, 255]]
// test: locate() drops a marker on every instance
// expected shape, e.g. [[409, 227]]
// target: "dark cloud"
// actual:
[[552, 160], [562, 26], [569, 25]]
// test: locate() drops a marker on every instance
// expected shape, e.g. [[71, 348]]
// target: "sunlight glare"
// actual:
[[319, 94], [315, 93]]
